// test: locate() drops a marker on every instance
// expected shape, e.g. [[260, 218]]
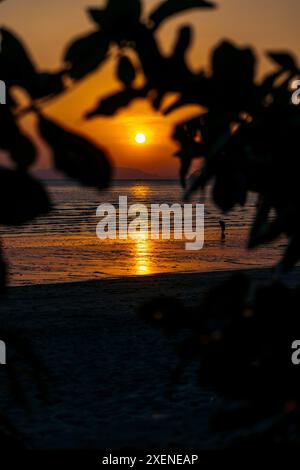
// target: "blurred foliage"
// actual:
[[247, 139], [26, 379], [240, 338]]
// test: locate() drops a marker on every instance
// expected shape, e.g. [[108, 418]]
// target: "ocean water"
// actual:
[[63, 246]]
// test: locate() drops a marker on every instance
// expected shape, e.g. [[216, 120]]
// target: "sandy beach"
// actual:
[[108, 370]]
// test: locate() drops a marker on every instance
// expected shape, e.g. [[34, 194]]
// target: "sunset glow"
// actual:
[[118, 133]]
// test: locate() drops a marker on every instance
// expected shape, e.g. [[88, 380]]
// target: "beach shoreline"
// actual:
[[109, 371]]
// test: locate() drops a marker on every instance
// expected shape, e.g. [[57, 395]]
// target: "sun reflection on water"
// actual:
[[140, 190], [142, 254], [143, 247]]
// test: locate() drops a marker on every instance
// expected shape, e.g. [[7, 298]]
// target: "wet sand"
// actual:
[[109, 371]]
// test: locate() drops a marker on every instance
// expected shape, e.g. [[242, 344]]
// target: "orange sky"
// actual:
[[47, 27]]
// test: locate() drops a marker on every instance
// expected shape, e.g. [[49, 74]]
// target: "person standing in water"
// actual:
[[223, 230]]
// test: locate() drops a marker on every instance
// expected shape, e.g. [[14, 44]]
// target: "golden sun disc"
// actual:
[[140, 138]]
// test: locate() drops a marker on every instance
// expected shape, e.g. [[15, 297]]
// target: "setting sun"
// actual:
[[140, 138]]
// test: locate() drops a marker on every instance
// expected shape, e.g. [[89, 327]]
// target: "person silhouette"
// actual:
[[223, 229]]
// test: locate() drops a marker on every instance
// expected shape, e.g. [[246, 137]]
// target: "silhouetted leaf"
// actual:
[[171, 7], [9, 128], [15, 63], [129, 10], [260, 222], [282, 93], [268, 83], [110, 105], [182, 101], [119, 20], [86, 54], [229, 189], [188, 135], [291, 255], [47, 84], [98, 15], [76, 156], [21, 149], [183, 42], [17, 68], [126, 71], [228, 59], [24, 197], [233, 77], [285, 60]]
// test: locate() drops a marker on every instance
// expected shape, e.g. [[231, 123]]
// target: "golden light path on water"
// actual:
[[140, 191], [143, 246], [142, 253]]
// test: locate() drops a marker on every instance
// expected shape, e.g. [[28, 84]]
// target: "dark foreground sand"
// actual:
[[109, 372]]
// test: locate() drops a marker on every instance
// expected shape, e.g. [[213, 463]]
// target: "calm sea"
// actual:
[[63, 246]]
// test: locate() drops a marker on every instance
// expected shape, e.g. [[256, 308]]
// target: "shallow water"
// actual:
[[63, 246]]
